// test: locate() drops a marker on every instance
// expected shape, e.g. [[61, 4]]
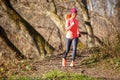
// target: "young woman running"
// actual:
[[72, 34]]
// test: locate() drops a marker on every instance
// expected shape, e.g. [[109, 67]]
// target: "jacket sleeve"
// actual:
[[70, 25]]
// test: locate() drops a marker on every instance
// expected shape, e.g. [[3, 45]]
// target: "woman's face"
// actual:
[[73, 15]]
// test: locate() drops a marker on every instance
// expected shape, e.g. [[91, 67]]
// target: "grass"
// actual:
[[109, 54], [57, 75], [113, 64], [26, 78]]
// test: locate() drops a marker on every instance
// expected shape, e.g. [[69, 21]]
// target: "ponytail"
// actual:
[[67, 16]]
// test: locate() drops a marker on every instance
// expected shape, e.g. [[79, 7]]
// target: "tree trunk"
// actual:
[[3, 36], [52, 13], [84, 12], [56, 19], [42, 45]]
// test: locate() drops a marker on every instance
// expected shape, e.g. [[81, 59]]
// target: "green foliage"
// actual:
[[59, 75], [53, 75], [113, 63], [105, 52], [111, 48], [96, 56], [88, 62], [80, 45], [108, 53], [26, 78], [9, 68], [116, 62]]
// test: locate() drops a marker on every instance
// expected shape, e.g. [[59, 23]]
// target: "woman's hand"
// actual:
[[69, 27], [79, 34]]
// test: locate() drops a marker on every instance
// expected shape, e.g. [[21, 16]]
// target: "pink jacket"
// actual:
[[72, 30]]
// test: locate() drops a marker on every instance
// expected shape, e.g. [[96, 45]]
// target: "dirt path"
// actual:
[[41, 67], [54, 63]]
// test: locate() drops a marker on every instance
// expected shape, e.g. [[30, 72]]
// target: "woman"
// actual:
[[72, 34]]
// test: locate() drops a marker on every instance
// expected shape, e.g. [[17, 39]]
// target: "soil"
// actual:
[[40, 67]]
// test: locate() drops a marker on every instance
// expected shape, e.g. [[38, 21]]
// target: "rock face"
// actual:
[[104, 16]]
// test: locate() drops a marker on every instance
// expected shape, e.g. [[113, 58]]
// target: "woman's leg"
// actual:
[[74, 44], [68, 44]]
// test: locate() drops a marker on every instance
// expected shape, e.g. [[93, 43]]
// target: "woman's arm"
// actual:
[[68, 27], [66, 24], [78, 33]]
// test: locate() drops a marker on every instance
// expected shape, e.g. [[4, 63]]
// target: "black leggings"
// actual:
[[74, 42]]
